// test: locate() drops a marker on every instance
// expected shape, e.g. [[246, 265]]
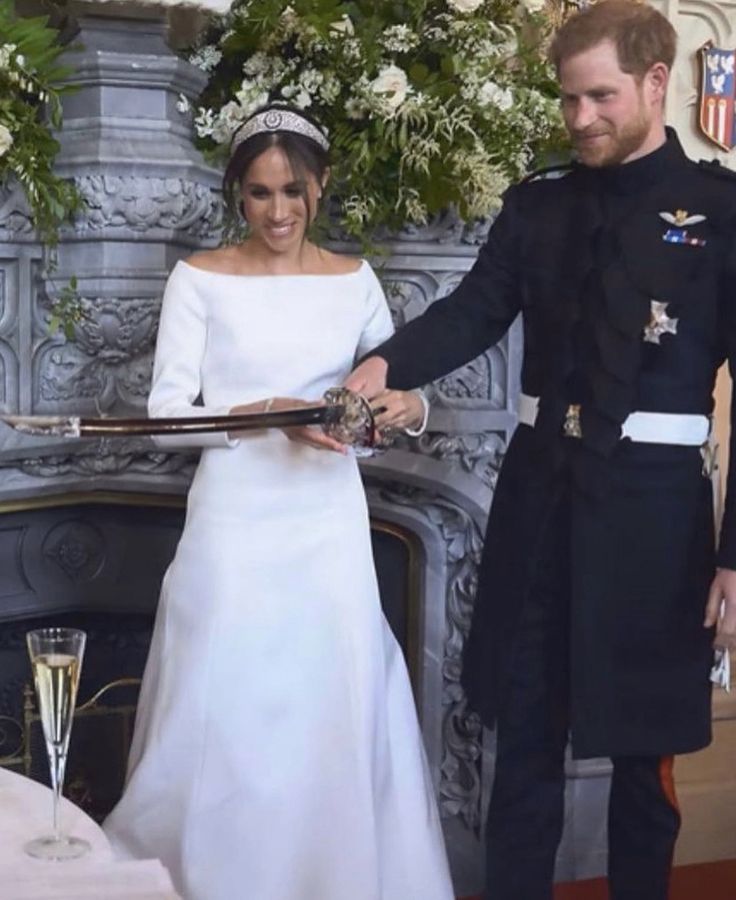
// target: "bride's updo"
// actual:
[[302, 140]]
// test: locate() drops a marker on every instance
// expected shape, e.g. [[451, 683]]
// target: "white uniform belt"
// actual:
[[643, 427]]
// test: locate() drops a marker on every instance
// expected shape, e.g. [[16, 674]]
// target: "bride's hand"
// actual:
[[312, 435]]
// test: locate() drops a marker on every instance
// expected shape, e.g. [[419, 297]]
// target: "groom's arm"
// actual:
[[458, 327]]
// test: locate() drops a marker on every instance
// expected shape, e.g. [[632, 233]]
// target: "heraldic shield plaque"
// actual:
[[718, 96]]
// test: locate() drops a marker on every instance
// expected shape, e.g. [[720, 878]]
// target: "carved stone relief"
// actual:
[[15, 218], [447, 229], [460, 769], [478, 454], [77, 548], [110, 358], [444, 230], [139, 204], [105, 458], [484, 379], [408, 295]]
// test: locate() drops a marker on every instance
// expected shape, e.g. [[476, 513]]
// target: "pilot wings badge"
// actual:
[[678, 235], [718, 95]]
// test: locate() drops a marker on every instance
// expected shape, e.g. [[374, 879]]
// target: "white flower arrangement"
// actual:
[[464, 6], [30, 86], [441, 104], [6, 140]]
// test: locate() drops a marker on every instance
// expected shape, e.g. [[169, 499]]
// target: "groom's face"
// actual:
[[610, 115]]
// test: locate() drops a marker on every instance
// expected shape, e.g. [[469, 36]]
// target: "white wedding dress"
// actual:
[[277, 754]]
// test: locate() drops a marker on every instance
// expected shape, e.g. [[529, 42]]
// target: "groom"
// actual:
[[600, 585]]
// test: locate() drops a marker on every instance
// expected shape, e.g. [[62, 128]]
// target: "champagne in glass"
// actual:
[[56, 658]]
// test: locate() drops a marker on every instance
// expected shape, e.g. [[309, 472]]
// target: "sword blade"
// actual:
[[77, 426]]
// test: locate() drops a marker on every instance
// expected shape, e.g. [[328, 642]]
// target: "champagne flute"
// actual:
[[56, 658]]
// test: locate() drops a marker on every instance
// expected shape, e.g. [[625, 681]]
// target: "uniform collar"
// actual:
[[639, 174]]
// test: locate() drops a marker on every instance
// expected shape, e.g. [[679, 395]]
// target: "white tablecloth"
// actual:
[[25, 813]]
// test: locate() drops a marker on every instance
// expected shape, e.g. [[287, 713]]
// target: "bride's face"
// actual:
[[276, 203]]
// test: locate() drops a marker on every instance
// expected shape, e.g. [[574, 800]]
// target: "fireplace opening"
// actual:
[[96, 562]]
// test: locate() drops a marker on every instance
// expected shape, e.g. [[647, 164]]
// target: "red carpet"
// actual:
[[709, 881]]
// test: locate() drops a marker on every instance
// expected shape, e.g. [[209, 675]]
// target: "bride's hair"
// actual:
[[305, 154]]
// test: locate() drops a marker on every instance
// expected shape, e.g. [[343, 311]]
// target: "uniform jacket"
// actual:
[[583, 256]]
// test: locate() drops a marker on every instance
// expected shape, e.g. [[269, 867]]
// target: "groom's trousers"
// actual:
[[526, 811]]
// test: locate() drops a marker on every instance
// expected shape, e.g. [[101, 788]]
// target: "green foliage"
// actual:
[[31, 83], [67, 310], [428, 103]]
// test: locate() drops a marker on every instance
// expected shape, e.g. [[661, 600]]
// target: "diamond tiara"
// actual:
[[278, 120]]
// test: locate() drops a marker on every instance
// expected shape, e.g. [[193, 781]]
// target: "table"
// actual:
[[25, 813]]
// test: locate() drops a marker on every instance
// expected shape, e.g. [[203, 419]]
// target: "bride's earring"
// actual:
[[242, 226]]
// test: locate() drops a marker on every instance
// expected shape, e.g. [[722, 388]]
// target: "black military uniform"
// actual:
[[599, 550]]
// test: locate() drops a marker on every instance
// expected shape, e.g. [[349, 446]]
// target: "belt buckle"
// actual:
[[571, 426]]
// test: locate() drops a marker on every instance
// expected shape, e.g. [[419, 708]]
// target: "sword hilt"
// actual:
[[355, 424]]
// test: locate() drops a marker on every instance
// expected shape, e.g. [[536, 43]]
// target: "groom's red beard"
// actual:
[[602, 145]]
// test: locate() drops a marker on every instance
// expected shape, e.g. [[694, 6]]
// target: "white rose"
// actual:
[[250, 97], [343, 26], [206, 58], [311, 79], [6, 54], [490, 94], [392, 85], [204, 122], [258, 64], [6, 140], [533, 6], [464, 6], [302, 99], [230, 117], [354, 108]]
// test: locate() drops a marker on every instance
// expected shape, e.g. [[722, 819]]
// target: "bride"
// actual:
[[277, 754]]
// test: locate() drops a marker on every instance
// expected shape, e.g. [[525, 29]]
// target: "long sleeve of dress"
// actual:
[[471, 319], [176, 383], [378, 326]]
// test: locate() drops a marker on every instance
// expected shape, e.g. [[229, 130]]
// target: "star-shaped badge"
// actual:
[[659, 323]]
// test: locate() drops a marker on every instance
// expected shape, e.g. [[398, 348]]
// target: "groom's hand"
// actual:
[[369, 378], [721, 609]]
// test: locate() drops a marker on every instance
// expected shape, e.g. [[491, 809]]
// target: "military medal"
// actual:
[[678, 235], [571, 427], [659, 323]]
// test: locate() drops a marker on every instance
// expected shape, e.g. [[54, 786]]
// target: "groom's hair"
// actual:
[[642, 35]]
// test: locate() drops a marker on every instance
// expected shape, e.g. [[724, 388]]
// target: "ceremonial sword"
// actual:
[[344, 415]]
